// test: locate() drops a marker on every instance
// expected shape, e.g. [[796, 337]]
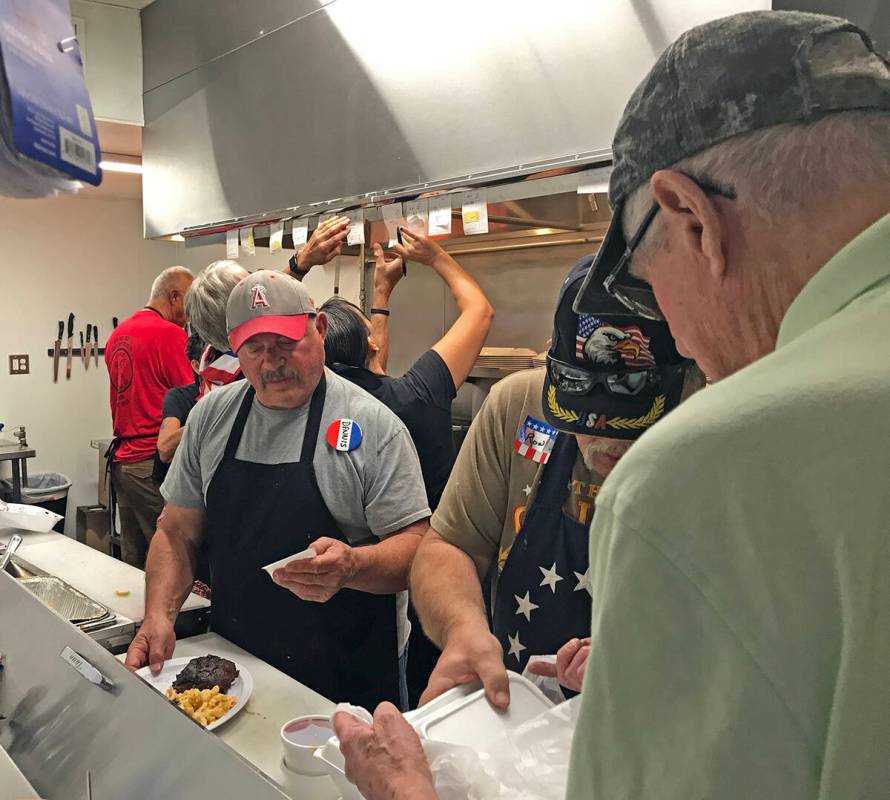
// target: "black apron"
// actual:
[[548, 536], [344, 649], [109, 456]]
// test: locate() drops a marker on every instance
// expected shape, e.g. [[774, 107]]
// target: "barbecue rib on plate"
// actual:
[[205, 672]]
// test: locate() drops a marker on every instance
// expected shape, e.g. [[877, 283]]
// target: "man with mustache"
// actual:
[[293, 457], [513, 521]]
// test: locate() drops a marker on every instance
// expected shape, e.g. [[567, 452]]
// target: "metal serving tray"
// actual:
[[65, 600]]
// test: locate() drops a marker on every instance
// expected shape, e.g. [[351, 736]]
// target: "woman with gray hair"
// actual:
[[205, 304], [205, 307]]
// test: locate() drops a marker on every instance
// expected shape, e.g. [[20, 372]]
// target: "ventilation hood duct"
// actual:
[[299, 106]]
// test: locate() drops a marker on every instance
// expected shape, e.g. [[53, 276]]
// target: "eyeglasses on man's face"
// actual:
[[617, 283]]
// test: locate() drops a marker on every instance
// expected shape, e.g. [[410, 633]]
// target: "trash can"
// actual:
[[48, 490]]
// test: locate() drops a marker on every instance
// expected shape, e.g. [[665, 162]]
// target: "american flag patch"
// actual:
[[221, 371], [534, 440], [612, 345]]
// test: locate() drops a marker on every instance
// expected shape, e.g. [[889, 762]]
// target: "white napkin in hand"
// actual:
[[309, 552], [361, 714]]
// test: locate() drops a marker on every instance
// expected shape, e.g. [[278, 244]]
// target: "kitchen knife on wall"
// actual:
[[82, 348], [96, 345], [114, 322], [89, 350], [70, 346], [57, 349]]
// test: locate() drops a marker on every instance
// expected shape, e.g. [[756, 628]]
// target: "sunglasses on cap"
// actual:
[[619, 282], [572, 380]]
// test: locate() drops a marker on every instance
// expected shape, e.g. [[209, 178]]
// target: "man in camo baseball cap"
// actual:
[[739, 549], [727, 78]]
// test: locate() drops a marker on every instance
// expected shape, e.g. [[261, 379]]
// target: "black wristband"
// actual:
[[383, 311], [295, 269]]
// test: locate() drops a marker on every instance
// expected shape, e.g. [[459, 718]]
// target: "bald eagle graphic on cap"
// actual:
[[608, 345]]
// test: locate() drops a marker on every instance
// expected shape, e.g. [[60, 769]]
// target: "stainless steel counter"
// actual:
[[12, 783], [69, 710], [116, 585], [254, 732]]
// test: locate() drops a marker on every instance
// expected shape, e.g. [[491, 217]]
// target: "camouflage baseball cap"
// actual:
[[728, 77]]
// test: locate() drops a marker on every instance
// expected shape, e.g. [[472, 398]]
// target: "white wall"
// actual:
[[86, 256], [58, 256], [113, 68]]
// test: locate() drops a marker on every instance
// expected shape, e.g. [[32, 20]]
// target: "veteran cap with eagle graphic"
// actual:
[[610, 373], [268, 302]]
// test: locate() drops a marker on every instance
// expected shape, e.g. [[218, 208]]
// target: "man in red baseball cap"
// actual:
[[294, 460]]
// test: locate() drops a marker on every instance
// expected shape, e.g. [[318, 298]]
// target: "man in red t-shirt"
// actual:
[[145, 356]]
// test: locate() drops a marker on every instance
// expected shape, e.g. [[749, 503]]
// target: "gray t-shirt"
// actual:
[[375, 489]]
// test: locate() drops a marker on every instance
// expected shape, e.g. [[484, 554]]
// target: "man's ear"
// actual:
[[321, 324], [692, 218], [373, 347]]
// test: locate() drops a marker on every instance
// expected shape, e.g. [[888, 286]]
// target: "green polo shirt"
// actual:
[[740, 560]]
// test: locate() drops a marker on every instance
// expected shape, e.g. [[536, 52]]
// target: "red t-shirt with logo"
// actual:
[[145, 356]]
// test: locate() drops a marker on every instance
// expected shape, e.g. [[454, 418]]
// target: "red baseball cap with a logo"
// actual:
[[268, 302]]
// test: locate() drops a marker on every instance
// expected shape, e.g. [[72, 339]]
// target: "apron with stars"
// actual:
[[543, 599]]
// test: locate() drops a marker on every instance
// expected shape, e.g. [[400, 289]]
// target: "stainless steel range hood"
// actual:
[[296, 106]]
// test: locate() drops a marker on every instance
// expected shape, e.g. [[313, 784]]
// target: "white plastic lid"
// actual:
[[469, 719]]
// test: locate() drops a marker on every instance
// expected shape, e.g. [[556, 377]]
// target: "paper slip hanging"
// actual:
[[232, 243], [440, 215], [474, 211], [534, 440], [356, 233], [417, 215], [309, 552], [276, 234], [392, 218], [594, 181], [300, 232], [247, 241]]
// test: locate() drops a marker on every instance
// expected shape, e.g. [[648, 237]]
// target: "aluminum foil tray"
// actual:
[[65, 600]]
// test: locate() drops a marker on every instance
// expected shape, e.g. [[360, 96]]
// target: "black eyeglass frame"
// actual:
[[613, 284]]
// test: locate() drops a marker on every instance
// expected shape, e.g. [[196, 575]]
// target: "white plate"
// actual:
[[241, 687]]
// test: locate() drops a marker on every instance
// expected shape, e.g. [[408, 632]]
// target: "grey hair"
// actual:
[[205, 303], [167, 281], [778, 170]]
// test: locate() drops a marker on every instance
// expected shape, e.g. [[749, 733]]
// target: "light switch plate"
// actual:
[[19, 365]]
